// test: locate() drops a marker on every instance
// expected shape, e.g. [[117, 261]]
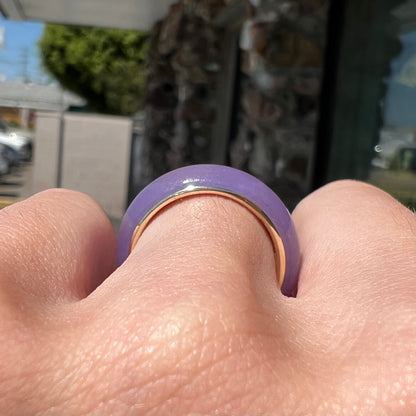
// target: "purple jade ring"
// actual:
[[223, 181]]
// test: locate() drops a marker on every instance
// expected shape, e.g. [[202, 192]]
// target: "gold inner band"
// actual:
[[279, 252]]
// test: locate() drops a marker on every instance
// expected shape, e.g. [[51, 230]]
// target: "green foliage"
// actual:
[[105, 66]]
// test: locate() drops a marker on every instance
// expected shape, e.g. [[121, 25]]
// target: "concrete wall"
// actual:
[[95, 156], [45, 161]]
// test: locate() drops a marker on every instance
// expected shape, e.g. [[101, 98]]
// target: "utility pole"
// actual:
[[2, 34], [25, 64]]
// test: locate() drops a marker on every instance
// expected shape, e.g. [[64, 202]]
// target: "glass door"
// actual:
[[368, 122]]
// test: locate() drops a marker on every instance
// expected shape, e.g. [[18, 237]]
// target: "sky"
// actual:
[[19, 56]]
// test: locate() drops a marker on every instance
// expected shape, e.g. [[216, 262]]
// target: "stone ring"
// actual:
[[223, 181]]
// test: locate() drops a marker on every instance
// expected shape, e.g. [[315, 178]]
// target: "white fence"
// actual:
[[84, 152]]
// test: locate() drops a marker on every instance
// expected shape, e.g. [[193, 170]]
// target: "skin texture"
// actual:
[[194, 323]]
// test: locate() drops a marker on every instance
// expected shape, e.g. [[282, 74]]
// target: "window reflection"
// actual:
[[393, 166]]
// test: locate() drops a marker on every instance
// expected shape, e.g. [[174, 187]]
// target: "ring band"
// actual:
[[221, 181], [191, 190]]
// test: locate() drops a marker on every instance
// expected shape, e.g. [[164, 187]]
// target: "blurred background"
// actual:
[[103, 96]]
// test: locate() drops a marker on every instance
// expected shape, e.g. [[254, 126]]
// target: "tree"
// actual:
[[105, 66]]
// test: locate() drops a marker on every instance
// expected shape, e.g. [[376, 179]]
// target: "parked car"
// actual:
[[4, 161], [11, 155], [21, 144], [6, 127]]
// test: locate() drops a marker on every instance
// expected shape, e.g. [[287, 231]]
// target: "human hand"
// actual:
[[194, 323]]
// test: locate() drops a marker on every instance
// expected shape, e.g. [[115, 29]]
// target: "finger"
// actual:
[[56, 246], [198, 296], [348, 230], [200, 237], [356, 296]]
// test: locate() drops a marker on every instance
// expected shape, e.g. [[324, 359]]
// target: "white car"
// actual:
[[14, 139], [21, 144]]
